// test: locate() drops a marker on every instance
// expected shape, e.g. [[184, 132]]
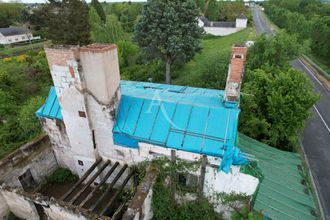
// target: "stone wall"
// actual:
[[220, 31], [60, 142], [18, 205], [23, 204], [36, 157], [140, 206], [4, 209]]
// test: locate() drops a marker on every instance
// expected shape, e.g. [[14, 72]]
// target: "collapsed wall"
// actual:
[[25, 168]]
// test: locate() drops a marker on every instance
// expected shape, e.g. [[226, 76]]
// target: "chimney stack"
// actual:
[[87, 84], [235, 75]]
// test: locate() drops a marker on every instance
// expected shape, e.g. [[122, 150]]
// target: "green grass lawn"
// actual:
[[211, 48]]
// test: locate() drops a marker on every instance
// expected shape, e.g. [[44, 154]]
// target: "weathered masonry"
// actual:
[[91, 114], [100, 127]]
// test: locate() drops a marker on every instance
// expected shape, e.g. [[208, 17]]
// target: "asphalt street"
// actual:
[[316, 135]]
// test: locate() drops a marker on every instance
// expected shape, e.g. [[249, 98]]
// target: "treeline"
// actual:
[[223, 10], [276, 98], [11, 13], [309, 20]]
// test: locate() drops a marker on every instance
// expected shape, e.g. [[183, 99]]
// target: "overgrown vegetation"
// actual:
[[12, 216], [11, 13], [163, 202], [308, 20], [24, 84], [62, 176], [276, 98]]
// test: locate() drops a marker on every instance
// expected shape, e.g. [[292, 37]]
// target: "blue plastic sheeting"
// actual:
[[178, 117], [51, 109], [123, 140]]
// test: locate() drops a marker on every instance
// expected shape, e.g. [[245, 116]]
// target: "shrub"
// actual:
[[7, 59], [61, 176], [153, 71], [27, 119], [21, 58]]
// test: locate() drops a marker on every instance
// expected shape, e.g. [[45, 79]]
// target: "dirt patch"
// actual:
[[56, 190]]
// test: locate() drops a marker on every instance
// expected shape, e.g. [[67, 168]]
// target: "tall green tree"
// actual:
[[320, 37], [10, 13], [274, 52], [67, 22], [168, 30], [275, 107], [98, 7], [110, 32]]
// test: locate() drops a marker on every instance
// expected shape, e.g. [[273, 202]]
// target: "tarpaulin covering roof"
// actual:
[[178, 117], [281, 194], [183, 118], [51, 108]]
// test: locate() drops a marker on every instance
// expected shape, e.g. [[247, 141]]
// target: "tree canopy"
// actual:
[[67, 22], [169, 30], [10, 13], [274, 52], [275, 107], [99, 9], [108, 32], [308, 20]]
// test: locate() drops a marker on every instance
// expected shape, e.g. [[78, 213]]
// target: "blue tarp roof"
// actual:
[[178, 117], [183, 118], [51, 108]]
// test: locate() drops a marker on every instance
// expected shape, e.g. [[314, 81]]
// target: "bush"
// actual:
[[153, 71], [12, 216], [7, 59], [21, 58], [27, 120], [62, 176]]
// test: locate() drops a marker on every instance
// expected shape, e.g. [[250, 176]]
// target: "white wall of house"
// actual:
[[15, 38], [223, 31], [241, 23], [220, 31]]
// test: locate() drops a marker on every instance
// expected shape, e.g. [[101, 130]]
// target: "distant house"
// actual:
[[223, 28], [12, 35]]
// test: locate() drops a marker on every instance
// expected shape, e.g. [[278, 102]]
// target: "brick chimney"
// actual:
[[87, 82], [235, 75]]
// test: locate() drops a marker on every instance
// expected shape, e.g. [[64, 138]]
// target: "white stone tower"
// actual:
[[87, 84]]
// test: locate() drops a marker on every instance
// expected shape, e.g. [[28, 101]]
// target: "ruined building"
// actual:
[[99, 126], [90, 113]]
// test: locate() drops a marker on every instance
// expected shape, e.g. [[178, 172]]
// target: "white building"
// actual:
[[12, 35], [91, 114], [221, 28]]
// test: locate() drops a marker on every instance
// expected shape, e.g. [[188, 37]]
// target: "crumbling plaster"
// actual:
[[18, 205], [4, 208], [37, 156]]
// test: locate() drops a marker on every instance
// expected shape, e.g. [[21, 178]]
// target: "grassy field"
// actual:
[[211, 48]]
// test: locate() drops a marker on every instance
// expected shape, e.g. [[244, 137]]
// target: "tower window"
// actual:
[[82, 114], [81, 163]]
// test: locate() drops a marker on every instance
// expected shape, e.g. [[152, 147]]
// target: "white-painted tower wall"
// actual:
[[86, 81]]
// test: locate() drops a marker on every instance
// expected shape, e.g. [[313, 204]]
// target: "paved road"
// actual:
[[316, 135]]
